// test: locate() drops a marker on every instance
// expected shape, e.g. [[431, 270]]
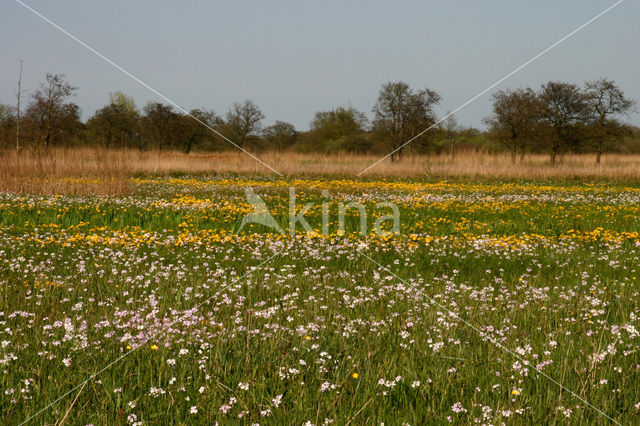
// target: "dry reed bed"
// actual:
[[65, 171], [89, 171]]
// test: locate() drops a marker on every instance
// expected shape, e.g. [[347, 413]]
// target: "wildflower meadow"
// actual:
[[492, 302]]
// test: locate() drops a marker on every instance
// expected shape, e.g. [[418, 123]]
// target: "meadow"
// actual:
[[500, 301]]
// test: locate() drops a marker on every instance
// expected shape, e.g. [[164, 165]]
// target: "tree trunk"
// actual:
[[513, 156], [601, 137], [18, 94], [555, 147], [187, 147]]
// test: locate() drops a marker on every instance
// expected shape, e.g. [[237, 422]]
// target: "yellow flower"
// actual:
[[307, 338], [354, 375], [515, 392], [128, 347], [154, 347]]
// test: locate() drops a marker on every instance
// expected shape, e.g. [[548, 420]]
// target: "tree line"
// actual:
[[559, 117]]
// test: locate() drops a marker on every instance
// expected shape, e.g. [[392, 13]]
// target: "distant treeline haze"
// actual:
[[557, 118]]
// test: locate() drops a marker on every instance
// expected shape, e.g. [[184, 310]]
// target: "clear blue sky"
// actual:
[[294, 58]]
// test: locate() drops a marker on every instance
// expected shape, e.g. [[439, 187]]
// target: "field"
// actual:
[[499, 301]]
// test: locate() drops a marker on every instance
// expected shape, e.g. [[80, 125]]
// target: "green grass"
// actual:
[[148, 276]]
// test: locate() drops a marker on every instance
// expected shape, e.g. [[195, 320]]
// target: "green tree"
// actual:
[[159, 126], [339, 129], [280, 136], [116, 125], [123, 102]]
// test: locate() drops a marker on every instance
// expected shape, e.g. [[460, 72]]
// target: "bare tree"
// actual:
[[193, 133], [243, 121], [452, 130], [606, 101], [564, 107], [48, 109], [401, 113], [18, 96], [515, 118]]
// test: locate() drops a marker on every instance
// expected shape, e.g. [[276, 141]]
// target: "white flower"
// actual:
[[171, 361], [566, 411], [243, 386], [201, 390], [156, 392], [193, 410], [67, 362], [415, 384], [458, 408], [277, 400]]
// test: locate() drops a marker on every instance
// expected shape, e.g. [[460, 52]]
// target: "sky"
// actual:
[[294, 58]]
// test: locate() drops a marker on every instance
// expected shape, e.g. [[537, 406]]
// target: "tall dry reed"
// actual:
[[88, 170], [81, 171]]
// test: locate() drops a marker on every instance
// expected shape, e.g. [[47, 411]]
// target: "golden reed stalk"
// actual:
[[107, 172]]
